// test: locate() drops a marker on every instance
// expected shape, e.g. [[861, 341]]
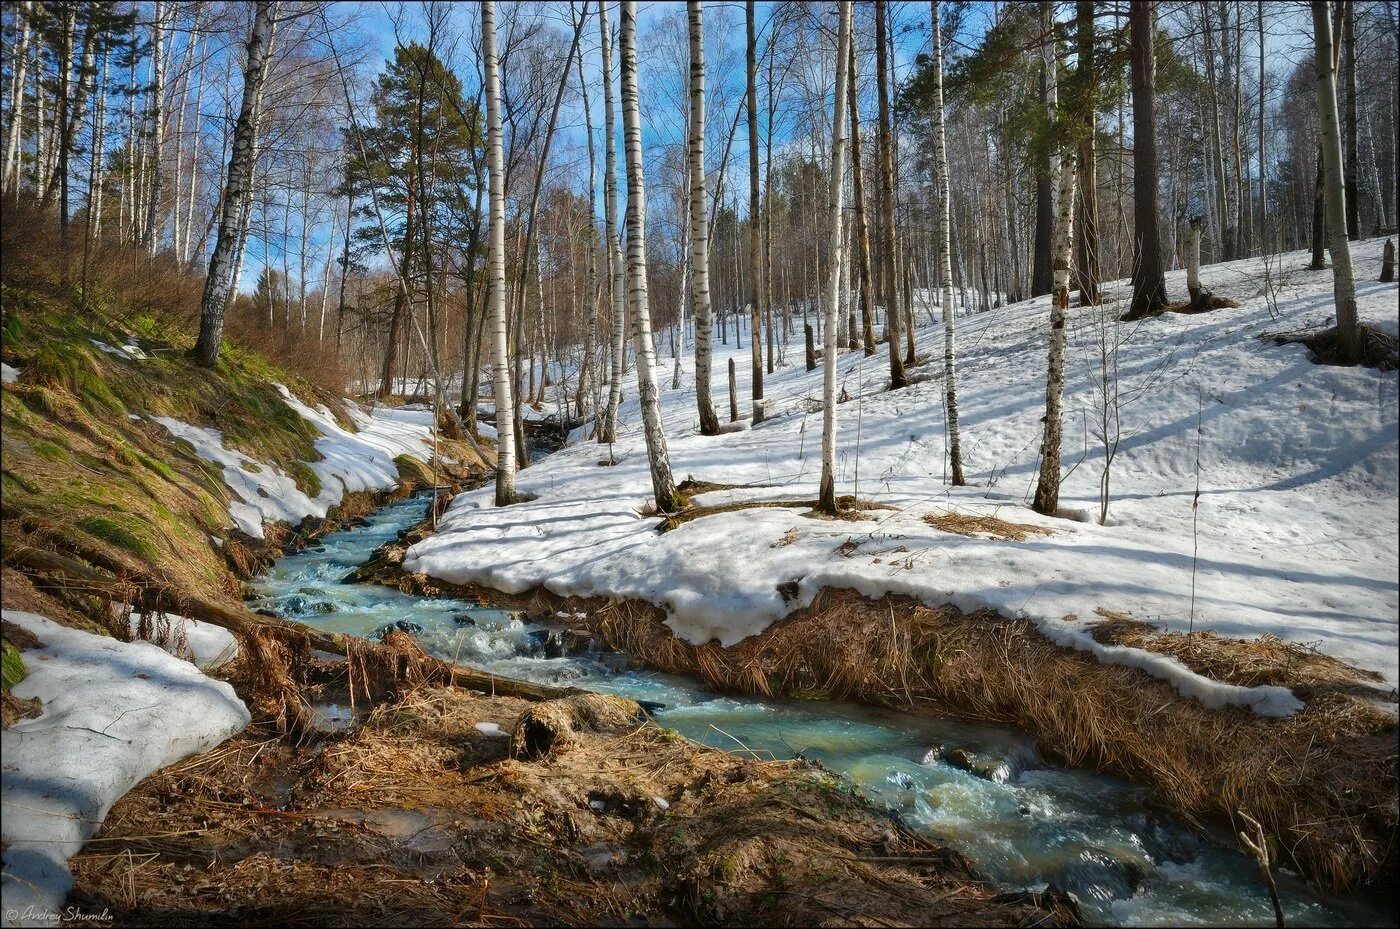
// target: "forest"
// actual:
[[557, 462]]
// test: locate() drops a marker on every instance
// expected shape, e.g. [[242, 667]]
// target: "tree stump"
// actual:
[[811, 348], [733, 394], [1388, 262]]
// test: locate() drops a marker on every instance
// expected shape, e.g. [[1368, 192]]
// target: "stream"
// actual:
[[980, 789]]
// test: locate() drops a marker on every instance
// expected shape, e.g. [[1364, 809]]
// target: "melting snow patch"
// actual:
[[492, 729], [8, 374], [266, 494], [363, 460], [113, 712], [206, 645]]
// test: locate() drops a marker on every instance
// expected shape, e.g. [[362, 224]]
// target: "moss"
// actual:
[[123, 537], [11, 668], [307, 479], [48, 451]]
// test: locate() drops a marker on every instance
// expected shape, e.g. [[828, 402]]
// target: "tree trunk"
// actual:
[[826, 501], [943, 230], [1087, 267], [1343, 284], [1047, 490], [1352, 158], [699, 224], [20, 61], [755, 209], [496, 260], [1149, 281], [889, 288], [157, 125], [237, 189], [862, 230], [608, 433], [662, 485]]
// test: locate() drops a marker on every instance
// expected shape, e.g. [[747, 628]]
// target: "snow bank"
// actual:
[[205, 645], [265, 493], [351, 461], [363, 460], [113, 712], [1296, 532]]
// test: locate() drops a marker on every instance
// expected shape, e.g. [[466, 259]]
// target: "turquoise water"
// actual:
[[1023, 822]]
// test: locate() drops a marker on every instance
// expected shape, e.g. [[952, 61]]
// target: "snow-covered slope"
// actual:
[[113, 712], [1295, 534], [351, 461]]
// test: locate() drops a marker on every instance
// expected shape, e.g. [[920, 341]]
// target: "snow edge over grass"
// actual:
[[113, 712]]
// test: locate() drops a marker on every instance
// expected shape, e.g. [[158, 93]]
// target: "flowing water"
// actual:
[[980, 789]]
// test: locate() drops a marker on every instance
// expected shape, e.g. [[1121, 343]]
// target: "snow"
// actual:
[[130, 351], [265, 493], [363, 460], [204, 645], [113, 712], [351, 461], [491, 729], [1295, 535], [8, 375]]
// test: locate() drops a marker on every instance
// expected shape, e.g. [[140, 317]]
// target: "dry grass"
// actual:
[[984, 526], [1267, 660], [847, 507], [419, 818], [1322, 782]]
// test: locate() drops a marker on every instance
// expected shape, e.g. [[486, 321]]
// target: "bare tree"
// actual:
[[219, 282], [658, 459], [831, 296], [608, 433], [496, 259], [699, 223], [1047, 491], [1349, 350], [943, 231], [889, 285]]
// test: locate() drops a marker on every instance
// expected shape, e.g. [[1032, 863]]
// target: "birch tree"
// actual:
[[662, 485], [496, 259], [755, 207], [889, 288], [608, 433], [219, 282], [1349, 349], [699, 223], [1047, 490], [831, 296], [943, 231]]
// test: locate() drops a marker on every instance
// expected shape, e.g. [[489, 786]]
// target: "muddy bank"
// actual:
[[1322, 782], [452, 807]]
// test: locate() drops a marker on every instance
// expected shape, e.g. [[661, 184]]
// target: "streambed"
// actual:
[[980, 789]]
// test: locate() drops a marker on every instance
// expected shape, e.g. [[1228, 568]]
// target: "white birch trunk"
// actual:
[[700, 225], [831, 294], [1349, 349], [1047, 491], [21, 66], [237, 192], [496, 260], [943, 230], [663, 487], [152, 232], [608, 434]]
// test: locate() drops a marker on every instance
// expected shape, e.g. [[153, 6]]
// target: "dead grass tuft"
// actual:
[[554, 725], [848, 507], [973, 526], [1267, 660]]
